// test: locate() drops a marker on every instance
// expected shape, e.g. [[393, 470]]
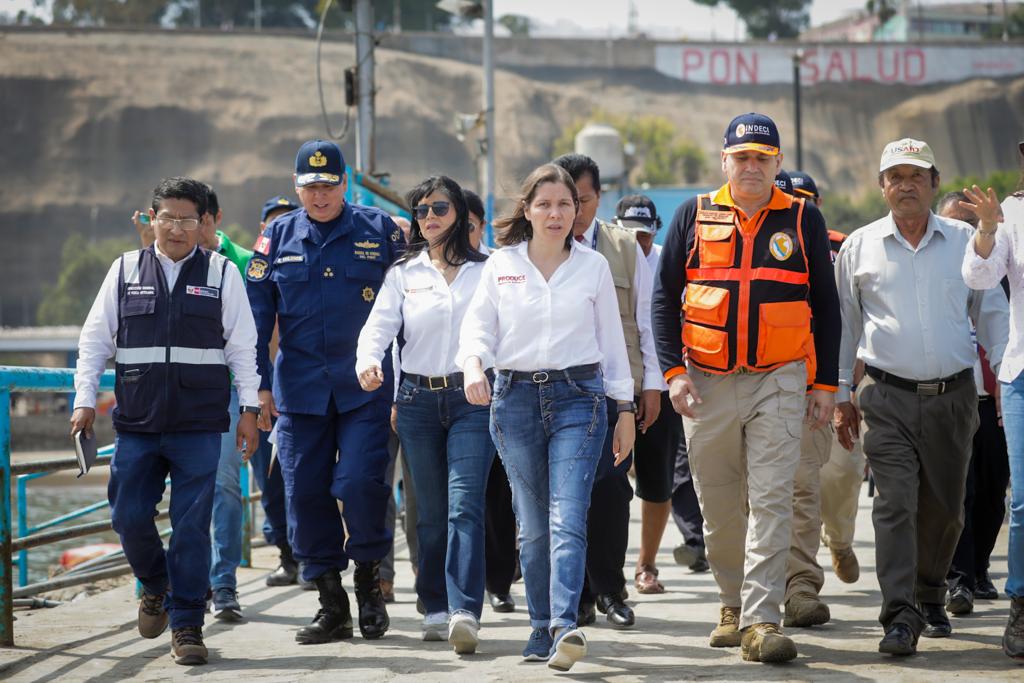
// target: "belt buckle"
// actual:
[[430, 383], [931, 389], [540, 377]]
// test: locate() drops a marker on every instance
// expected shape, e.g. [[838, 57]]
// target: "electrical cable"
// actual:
[[319, 81]]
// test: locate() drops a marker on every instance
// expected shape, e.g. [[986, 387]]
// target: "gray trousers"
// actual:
[[918, 448]]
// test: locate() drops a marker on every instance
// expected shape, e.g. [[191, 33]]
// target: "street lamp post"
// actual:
[[798, 57]]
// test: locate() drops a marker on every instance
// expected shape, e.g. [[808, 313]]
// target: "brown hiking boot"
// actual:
[[727, 633], [152, 615], [187, 645], [845, 565], [806, 609], [765, 643]]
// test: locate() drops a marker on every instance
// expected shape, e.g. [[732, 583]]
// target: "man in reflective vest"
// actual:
[[176, 319], [755, 266]]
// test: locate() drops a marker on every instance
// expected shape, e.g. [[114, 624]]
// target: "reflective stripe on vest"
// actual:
[[178, 354], [130, 267], [215, 272], [745, 304]]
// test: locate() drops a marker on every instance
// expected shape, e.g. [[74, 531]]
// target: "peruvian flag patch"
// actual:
[[262, 245]]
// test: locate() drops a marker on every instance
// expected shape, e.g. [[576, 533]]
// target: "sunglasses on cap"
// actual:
[[420, 211]]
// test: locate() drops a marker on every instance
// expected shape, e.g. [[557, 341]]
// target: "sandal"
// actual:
[[646, 578]]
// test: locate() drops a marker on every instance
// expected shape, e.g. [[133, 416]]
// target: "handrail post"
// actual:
[[6, 584], [23, 530], [243, 481]]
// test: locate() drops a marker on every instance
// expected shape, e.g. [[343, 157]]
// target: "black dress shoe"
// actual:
[[373, 614], [938, 622], [587, 614], [619, 613], [502, 602], [984, 588], [960, 601], [899, 640], [287, 572]]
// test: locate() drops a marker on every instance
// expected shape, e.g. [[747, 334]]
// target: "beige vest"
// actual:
[[618, 246]]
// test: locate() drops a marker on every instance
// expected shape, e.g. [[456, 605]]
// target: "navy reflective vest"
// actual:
[[171, 372]]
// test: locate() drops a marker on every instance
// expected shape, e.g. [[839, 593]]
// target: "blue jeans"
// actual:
[[141, 464], [268, 479], [549, 437], [1013, 425], [448, 445], [227, 508]]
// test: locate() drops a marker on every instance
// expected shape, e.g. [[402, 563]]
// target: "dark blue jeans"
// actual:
[[448, 446], [141, 464], [550, 436]]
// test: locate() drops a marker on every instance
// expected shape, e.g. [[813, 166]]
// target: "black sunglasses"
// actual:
[[440, 209]]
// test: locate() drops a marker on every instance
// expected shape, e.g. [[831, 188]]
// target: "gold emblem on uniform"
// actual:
[[368, 294], [781, 246], [328, 272], [318, 160], [368, 244], [257, 269], [283, 201]]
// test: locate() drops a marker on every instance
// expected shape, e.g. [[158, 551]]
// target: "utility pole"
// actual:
[[798, 57], [257, 15], [364, 89], [488, 60]]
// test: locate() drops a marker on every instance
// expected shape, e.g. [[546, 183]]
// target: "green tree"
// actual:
[[883, 9], [846, 215], [517, 24], [82, 268], [661, 156], [777, 19], [1004, 183], [108, 12]]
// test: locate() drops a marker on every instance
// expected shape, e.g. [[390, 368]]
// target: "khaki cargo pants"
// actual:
[[744, 445]]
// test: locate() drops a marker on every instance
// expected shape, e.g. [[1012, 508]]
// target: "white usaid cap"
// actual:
[[907, 151]]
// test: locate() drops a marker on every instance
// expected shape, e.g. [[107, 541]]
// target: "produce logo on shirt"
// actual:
[[211, 292], [419, 290], [511, 279], [257, 270], [262, 245], [781, 246]]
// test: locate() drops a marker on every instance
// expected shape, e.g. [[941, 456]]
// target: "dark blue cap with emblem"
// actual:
[[751, 133], [319, 161], [803, 184], [784, 182], [275, 204]]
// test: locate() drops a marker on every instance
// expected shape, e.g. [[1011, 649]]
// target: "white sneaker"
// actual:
[[570, 647], [462, 633], [434, 626]]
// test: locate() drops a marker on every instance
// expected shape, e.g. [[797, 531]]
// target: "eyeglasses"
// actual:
[[187, 224], [440, 209]]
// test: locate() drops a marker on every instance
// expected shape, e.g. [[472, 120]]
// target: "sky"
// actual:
[[664, 19]]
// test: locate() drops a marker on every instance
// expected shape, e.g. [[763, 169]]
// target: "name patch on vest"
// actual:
[[292, 258], [211, 292], [141, 290], [709, 216]]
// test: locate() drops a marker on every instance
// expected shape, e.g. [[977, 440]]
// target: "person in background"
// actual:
[[175, 318], [315, 272], [477, 221], [545, 316], [907, 314], [994, 253], [655, 452]]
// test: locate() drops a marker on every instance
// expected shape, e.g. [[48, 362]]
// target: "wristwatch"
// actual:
[[625, 407], [242, 410]]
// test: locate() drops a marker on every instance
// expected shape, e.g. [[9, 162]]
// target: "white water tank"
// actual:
[[603, 144]]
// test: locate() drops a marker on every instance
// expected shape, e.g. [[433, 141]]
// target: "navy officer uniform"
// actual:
[[317, 271]]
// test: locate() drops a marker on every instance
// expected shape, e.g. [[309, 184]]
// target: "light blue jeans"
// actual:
[[226, 529], [1013, 425], [550, 436]]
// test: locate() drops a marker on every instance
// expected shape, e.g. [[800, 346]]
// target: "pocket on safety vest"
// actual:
[[706, 346], [783, 331], [203, 376], [707, 305], [717, 244]]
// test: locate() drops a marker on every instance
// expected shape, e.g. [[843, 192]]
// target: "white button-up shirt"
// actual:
[[908, 311], [520, 321], [96, 344], [643, 284], [415, 294], [1006, 260], [653, 258]]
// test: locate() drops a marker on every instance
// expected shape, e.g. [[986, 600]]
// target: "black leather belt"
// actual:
[[452, 381], [931, 387], [542, 376]]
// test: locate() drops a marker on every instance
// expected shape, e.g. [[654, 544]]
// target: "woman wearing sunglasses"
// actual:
[[445, 440], [546, 318]]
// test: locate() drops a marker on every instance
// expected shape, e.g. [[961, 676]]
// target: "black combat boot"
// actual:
[[373, 615], [333, 621], [287, 573]]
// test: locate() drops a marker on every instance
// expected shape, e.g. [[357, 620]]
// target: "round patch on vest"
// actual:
[[257, 270], [369, 295], [781, 246]]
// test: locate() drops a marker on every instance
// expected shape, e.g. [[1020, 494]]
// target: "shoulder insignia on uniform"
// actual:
[[781, 246], [257, 270], [369, 295], [262, 245]]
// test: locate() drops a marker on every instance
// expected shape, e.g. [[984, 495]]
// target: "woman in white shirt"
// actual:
[[445, 440], [545, 316], [997, 251]]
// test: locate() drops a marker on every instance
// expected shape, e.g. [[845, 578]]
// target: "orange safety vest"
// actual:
[[746, 295]]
